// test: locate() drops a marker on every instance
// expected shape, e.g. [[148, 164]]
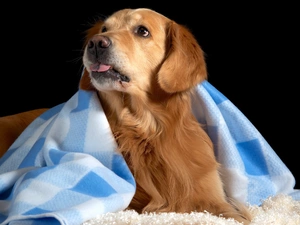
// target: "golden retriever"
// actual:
[[144, 67]]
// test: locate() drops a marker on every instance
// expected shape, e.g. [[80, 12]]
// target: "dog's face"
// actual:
[[138, 51]]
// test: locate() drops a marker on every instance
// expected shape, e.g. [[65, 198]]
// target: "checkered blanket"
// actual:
[[64, 168]]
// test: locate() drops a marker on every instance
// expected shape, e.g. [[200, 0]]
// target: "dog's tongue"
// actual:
[[99, 67]]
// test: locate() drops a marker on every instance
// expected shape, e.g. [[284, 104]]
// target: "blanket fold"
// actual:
[[65, 168]]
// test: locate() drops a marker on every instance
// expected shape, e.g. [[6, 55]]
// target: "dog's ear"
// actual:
[[92, 31], [184, 66], [85, 82]]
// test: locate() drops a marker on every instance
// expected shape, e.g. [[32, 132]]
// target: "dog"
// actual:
[[144, 68]]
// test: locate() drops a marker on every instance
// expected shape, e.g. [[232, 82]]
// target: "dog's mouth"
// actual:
[[100, 70]]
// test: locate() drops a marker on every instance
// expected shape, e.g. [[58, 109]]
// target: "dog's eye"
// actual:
[[142, 31], [104, 29]]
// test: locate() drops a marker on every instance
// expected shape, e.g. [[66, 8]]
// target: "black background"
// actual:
[[250, 51]]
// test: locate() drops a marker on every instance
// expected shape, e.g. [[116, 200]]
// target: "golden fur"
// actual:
[[144, 67]]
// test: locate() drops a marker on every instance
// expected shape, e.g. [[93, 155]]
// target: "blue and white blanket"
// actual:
[[65, 168]]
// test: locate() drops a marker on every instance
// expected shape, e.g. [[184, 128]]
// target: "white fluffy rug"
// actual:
[[277, 210]]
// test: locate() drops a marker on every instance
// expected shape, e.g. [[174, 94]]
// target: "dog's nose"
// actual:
[[97, 44]]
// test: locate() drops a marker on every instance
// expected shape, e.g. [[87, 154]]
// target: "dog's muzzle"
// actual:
[[98, 52]]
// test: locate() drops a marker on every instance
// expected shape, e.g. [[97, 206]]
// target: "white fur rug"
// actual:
[[277, 210]]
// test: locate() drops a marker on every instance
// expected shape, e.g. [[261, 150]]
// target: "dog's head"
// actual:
[[140, 50]]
